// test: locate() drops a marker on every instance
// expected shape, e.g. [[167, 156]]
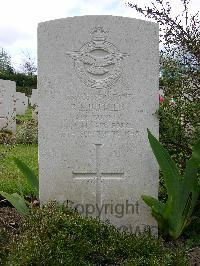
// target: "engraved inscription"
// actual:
[[105, 116], [98, 62]]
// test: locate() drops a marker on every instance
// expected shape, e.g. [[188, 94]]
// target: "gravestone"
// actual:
[[34, 97], [21, 103], [98, 84], [7, 108], [34, 104]]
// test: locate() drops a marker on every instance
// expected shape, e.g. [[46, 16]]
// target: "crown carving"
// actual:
[[98, 34]]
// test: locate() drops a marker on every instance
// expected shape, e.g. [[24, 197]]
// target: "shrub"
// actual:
[[4, 239], [27, 130], [179, 128], [179, 69], [6, 138], [27, 133], [192, 233], [23, 81], [56, 235]]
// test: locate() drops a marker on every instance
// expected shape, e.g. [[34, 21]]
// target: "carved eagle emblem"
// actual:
[[97, 64], [99, 58]]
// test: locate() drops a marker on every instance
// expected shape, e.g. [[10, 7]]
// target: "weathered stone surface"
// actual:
[[7, 108], [21, 103], [98, 84]]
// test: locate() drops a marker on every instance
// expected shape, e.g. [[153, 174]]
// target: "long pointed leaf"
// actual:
[[167, 165], [17, 201], [196, 154], [31, 177], [182, 192], [190, 178], [158, 209], [154, 203]]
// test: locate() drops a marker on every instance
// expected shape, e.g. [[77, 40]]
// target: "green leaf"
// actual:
[[158, 209], [196, 154], [190, 184], [167, 165], [158, 206], [17, 201], [183, 192], [31, 177]]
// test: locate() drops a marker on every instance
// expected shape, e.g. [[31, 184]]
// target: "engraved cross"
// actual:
[[98, 175]]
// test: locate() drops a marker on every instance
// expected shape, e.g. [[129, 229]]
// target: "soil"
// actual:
[[9, 221], [194, 256]]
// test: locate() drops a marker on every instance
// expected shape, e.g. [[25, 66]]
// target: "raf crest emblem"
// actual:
[[98, 62]]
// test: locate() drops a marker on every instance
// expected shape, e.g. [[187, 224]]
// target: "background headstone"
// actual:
[[7, 108], [21, 103], [98, 84], [34, 104]]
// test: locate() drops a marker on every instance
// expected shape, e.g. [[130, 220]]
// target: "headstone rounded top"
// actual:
[[7, 82], [102, 17]]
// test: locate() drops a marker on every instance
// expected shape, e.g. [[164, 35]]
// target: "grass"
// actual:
[[11, 179], [10, 176], [26, 117]]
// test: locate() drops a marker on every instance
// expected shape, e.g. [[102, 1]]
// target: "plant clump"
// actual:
[[57, 235]]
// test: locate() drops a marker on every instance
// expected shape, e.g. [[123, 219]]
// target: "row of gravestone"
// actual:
[[97, 84], [13, 103]]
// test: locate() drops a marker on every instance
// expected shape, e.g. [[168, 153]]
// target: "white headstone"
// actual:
[[34, 97], [21, 103], [98, 84], [34, 104], [7, 108]]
